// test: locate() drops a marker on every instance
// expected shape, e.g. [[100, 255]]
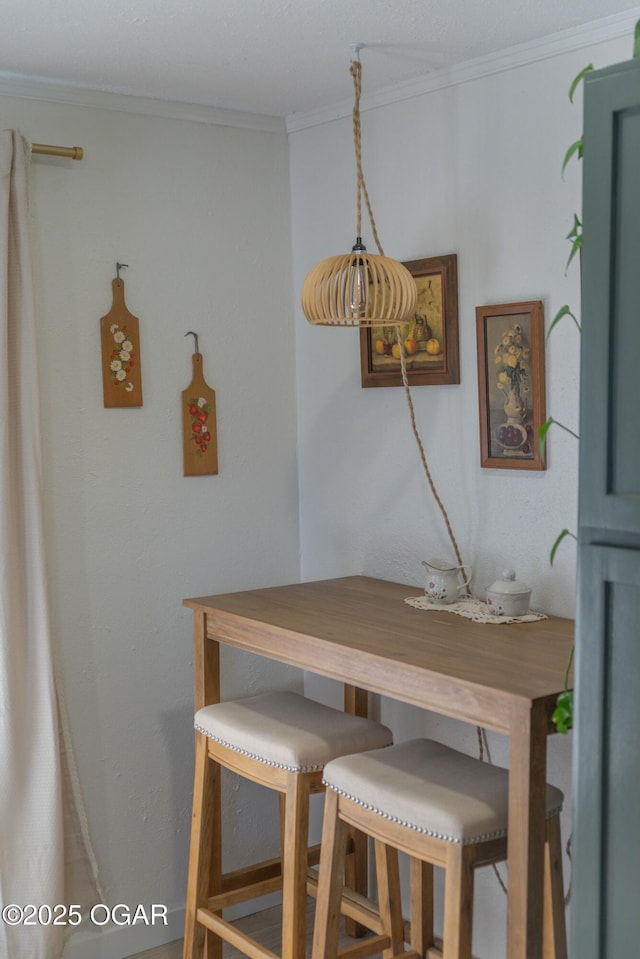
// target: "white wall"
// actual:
[[472, 169], [201, 215]]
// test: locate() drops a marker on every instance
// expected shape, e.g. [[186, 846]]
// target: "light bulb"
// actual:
[[358, 281]]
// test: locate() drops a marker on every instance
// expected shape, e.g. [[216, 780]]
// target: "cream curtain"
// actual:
[[39, 822]]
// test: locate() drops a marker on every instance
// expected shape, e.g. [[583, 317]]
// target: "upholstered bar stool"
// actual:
[[442, 808], [282, 741]]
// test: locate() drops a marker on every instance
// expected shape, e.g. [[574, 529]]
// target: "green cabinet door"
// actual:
[[610, 360], [605, 910]]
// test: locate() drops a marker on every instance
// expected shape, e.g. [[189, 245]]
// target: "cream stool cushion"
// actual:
[[431, 788], [287, 730]]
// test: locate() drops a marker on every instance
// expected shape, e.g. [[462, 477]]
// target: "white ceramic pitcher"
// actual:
[[443, 581]]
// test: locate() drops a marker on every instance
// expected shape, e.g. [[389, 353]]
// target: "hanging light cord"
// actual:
[[356, 73], [423, 456]]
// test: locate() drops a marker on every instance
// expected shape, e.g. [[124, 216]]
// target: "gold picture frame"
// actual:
[[431, 338]]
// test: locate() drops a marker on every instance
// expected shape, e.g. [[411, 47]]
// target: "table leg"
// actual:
[[206, 664], [356, 700], [527, 781]]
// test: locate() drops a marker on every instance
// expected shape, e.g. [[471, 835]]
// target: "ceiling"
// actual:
[[271, 57]]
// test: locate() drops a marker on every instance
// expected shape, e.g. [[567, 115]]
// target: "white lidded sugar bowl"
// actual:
[[508, 597], [443, 581]]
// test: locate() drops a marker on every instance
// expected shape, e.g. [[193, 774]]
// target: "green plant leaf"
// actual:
[[563, 311], [554, 548], [575, 247], [636, 40], [575, 235], [578, 80], [576, 229], [544, 429], [562, 716], [542, 437], [574, 148]]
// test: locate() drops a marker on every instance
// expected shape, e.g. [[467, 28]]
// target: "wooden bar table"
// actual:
[[360, 631]]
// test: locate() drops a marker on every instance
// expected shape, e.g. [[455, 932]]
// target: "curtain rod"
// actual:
[[75, 153]]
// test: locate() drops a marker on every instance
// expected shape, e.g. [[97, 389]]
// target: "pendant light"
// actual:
[[359, 288], [366, 289]]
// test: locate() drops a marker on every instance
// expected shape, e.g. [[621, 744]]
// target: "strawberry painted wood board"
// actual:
[[120, 340], [199, 431]]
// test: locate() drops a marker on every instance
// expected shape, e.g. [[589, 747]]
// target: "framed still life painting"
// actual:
[[510, 339], [430, 338]]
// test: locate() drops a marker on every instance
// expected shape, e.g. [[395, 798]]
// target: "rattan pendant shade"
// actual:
[[386, 291], [326, 292]]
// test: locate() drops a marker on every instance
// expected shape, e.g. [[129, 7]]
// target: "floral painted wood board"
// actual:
[[120, 339], [199, 431]]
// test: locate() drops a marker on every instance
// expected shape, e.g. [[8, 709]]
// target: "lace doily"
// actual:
[[472, 608]]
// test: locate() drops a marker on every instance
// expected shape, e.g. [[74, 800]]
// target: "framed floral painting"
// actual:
[[511, 384]]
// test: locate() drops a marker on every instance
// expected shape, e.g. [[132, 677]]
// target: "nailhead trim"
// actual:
[[261, 759], [498, 834]]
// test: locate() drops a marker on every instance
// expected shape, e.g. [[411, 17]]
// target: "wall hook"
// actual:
[[120, 266], [195, 336]]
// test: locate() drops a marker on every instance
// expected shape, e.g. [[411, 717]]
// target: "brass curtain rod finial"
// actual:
[[45, 149], [195, 336]]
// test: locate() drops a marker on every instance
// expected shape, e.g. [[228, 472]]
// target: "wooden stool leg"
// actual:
[[294, 867], [282, 809], [389, 897], [355, 876], [554, 936], [421, 876], [458, 904], [205, 865], [330, 880]]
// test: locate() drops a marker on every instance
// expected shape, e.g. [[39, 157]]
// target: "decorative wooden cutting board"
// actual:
[[120, 338], [199, 432]]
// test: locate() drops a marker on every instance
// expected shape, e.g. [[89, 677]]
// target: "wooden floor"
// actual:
[[172, 950], [264, 926]]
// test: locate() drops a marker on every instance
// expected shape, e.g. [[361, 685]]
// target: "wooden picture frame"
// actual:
[[435, 323], [511, 387]]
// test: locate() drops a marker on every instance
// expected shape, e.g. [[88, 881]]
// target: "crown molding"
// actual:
[[28, 88], [566, 41]]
